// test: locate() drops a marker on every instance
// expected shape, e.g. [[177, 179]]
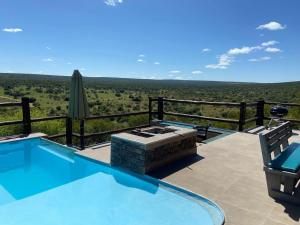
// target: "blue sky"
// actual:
[[230, 40]]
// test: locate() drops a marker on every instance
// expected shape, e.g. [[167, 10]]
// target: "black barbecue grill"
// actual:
[[277, 113]]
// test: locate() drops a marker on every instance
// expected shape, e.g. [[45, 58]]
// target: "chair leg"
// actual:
[[273, 182], [289, 193], [289, 185]]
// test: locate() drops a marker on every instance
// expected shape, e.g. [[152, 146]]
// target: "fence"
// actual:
[[160, 113], [26, 117], [240, 122]]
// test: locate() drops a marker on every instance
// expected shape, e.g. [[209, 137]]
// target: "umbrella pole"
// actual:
[[81, 134], [69, 131]]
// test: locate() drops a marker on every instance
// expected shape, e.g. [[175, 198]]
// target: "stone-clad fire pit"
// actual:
[[144, 150]]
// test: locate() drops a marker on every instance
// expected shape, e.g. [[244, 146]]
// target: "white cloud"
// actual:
[[48, 60], [178, 78], [272, 50], [243, 50], [215, 66], [206, 50], [196, 72], [140, 60], [265, 58], [271, 26], [83, 69], [113, 2], [269, 43], [156, 63], [48, 48], [237, 51], [175, 71], [141, 55], [69, 63], [12, 30], [224, 61]]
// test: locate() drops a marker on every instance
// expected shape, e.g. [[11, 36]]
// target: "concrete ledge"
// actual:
[[22, 137]]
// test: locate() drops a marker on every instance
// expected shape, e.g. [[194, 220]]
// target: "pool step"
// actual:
[[61, 154], [5, 196]]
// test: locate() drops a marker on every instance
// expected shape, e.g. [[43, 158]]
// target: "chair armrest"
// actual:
[[280, 172]]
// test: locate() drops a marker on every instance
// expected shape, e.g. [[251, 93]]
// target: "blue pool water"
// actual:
[[43, 183], [221, 132]]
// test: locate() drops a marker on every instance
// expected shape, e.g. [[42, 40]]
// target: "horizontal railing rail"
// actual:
[[283, 104], [8, 123], [202, 102], [10, 104], [284, 119], [249, 120], [113, 131], [116, 115], [76, 134], [48, 118], [202, 117]]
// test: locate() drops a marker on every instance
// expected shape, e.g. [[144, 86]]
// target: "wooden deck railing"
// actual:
[[160, 112], [25, 113], [27, 121], [240, 122]]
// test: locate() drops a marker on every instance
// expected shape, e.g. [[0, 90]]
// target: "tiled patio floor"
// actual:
[[228, 171]]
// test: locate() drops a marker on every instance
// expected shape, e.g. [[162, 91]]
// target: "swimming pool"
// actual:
[[44, 183]]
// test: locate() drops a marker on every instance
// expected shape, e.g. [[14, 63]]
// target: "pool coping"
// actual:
[[21, 138]]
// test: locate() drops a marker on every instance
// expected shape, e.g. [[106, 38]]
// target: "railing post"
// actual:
[[26, 116], [242, 116], [69, 131], [150, 110], [260, 112], [81, 134], [160, 108]]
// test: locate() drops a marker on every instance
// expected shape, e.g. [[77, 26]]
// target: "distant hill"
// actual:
[[109, 82]]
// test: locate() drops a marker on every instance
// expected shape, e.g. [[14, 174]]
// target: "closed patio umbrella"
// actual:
[[78, 106]]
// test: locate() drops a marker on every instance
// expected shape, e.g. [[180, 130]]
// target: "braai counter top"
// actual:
[[147, 149]]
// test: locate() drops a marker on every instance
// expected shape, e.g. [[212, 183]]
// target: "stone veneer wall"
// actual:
[[134, 156]]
